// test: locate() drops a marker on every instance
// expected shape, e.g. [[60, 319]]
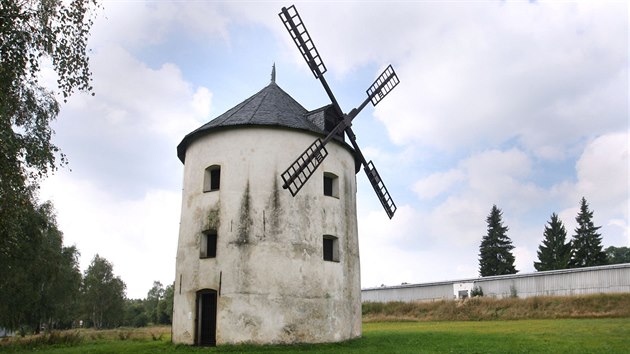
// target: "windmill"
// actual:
[[298, 173]]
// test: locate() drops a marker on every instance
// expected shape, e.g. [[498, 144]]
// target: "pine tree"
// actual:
[[554, 252], [495, 256], [586, 246]]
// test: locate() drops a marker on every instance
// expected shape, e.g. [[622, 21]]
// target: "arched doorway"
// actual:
[[206, 321]]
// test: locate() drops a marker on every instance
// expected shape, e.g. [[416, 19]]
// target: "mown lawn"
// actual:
[[523, 336]]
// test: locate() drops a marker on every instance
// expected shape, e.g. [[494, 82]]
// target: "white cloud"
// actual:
[[453, 227], [497, 87], [491, 176], [437, 183], [544, 74], [122, 198], [602, 178], [138, 236], [146, 24], [448, 234], [132, 124], [604, 163], [153, 100]]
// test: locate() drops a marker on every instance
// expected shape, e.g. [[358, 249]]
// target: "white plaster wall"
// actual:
[[274, 285], [457, 287]]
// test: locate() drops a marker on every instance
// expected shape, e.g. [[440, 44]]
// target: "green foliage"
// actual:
[[555, 251], [495, 256], [135, 314], [35, 266], [513, 291], [165, 307], [154, 296], [40, 281], [618, 255], [156, 308], [586, 245], [477, 291], [33, 32], [103, 295]]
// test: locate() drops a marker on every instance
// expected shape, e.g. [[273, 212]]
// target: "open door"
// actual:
[[206, 323]]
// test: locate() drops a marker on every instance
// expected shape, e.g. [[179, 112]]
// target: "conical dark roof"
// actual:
[[271, 106]]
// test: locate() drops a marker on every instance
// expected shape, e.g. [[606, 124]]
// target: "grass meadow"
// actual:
[[607, 335], [577, 324]]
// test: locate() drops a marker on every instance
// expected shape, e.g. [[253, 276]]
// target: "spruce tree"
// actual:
[[554, 252], [495, 256], [586, 246]]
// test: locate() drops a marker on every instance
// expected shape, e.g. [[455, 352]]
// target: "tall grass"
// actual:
[[481, 309], [528, 336], [549, 324], [80, 336]]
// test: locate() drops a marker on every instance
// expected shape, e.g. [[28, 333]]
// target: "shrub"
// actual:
[[477, 291], [124, 335]]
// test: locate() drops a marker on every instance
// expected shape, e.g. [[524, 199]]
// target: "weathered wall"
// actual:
[[274, 285], [591, 280]]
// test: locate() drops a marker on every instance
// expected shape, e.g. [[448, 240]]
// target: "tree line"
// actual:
[[42, 287], [584, 249], [40, 282]]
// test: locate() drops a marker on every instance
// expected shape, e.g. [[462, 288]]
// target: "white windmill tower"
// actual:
[[256, 264]]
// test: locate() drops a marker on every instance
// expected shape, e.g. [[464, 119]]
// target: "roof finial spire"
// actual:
[[273, 73]]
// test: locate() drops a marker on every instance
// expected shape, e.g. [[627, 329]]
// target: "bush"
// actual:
[[124, 335], [513, 291], [477, 291], [65, 338]]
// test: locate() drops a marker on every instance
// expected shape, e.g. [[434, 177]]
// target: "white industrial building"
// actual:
[[578, 281]]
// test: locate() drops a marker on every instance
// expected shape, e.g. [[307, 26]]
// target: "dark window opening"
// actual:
[[208, 244], [328, 186], [215, 179], [331, 185], [212, 179], [330, 248]]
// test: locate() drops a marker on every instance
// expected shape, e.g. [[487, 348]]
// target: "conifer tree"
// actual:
[[586, 246], [495, 256], [555, 251]]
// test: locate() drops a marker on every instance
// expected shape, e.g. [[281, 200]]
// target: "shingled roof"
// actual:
[[270, 106]]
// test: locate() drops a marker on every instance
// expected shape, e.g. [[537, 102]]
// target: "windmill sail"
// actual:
[[380, 189], [383, 85], [305, 165], [293, 22]]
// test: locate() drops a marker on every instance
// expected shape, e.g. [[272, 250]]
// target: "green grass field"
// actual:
[[522, 336]]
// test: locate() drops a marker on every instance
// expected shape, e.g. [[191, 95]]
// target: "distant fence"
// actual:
[[591, 280]]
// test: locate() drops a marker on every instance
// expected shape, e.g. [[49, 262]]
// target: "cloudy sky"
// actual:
[[523, 105]]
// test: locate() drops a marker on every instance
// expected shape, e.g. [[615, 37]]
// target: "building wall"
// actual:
[[272, 282], [591, 280]]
